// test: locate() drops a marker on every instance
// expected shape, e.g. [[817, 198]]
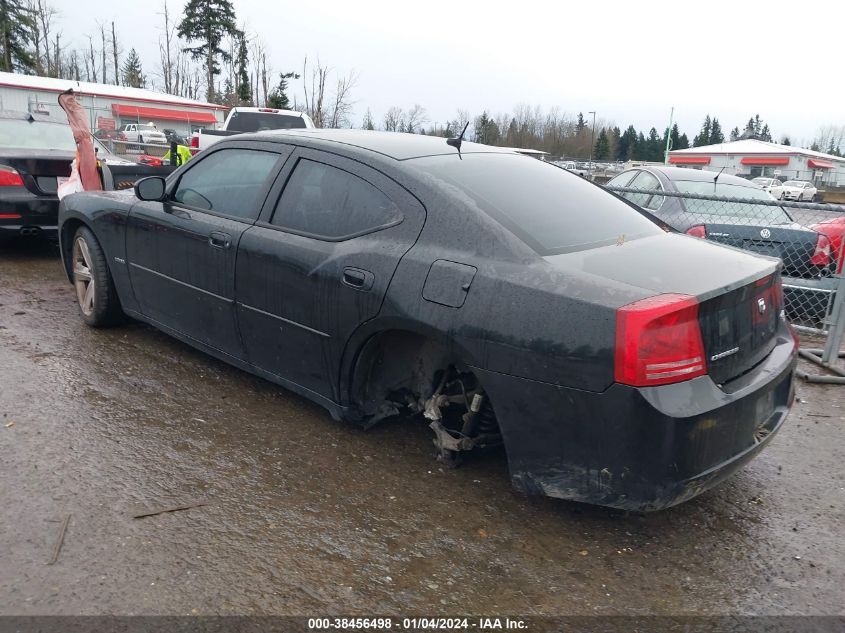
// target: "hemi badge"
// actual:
[[730, 352], [119, 260]]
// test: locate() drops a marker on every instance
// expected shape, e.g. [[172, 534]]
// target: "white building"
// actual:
[[751, 158], [109, 106]]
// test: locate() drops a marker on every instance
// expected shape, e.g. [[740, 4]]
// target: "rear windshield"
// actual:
[[552, 210], [36, 135], [772, 214], [258, 121]]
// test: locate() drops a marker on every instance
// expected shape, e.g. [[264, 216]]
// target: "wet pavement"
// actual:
[[308, 516]]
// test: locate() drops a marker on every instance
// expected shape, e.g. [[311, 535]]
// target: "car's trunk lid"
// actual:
[[41, 171], [793, 244], [729, 285]]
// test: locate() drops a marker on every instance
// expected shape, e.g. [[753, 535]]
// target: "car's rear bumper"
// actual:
[[639, 449], [28, 214]]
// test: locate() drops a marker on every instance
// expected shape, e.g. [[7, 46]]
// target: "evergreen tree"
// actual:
[[368, 123], [208, 22], [279, 98], [735, 134], [580, 124], [17, 24], [674, 137], [785, 141], [716, 135], [627, 146], [641, 147], [654, 147], [133, 75], [486, 130], [683, 142], [602, 148], [765, 135], [244, 87], [703, 137]]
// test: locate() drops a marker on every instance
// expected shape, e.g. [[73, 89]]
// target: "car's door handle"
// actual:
[[218, 239], [358, 278]]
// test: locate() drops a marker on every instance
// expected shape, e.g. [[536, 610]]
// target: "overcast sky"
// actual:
[[630, 61]]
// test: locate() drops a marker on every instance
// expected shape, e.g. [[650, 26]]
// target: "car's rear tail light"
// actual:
[[267, 110], [195, 141], [821, 255], [9, 177], [697, 231], [658, 341], [10, 216]]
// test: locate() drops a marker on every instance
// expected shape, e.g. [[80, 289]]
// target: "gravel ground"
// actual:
[[307, 516]]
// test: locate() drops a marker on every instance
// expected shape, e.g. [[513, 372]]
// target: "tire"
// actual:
[[96, 297]]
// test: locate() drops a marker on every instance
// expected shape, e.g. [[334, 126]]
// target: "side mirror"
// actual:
[[151, 189]]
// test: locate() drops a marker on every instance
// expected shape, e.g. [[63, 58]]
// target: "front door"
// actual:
[[318, 263], [181, 252]]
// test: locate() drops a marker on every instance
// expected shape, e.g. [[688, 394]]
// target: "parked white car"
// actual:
[[772, 186], [143, 133], [799, 190]]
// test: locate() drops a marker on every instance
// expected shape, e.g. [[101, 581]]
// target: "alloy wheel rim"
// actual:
[[83, 276]]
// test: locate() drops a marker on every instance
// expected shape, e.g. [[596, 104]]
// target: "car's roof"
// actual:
[[396, 145], [698, 175]]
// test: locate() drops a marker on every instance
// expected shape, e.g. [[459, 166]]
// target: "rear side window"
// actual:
[[646, 182], [622, 179], [228, 181], [258, 121], [552, 210], [326, 202]]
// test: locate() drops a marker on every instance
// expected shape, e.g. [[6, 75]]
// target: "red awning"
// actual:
[[143, 114], [689, 160], [765, 160], [819, 164]]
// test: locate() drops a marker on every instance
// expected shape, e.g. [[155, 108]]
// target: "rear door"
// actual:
[[181, 252], [318, 264]]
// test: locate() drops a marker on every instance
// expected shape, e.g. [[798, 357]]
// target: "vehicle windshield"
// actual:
[[762, 181], [771, 214], [793, 183], [259, 121], [40, 135], [550, 209]]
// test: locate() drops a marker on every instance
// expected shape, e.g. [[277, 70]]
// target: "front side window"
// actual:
[[228, 181], [326, 202]]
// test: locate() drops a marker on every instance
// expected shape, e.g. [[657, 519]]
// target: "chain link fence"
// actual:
[[808, 238]]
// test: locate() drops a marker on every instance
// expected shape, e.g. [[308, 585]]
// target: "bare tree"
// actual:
[[315, 98], [342, 106], [166, 55], [104, 67], [394, 119], [92, 76], [115, 55], [414, 119]]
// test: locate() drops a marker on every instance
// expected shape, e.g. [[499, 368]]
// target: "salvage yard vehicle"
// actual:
[[808, 260], [143, 133], [500, 298], [799, 190], [35, 157], [248, 119], [771, 186]]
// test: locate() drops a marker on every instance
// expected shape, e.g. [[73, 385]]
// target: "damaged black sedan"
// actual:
[[501, 299]]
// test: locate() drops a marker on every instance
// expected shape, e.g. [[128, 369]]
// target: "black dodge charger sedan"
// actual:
[[500, 298]]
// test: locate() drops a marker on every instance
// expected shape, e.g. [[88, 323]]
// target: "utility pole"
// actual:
[[592, 142], [668, 137]]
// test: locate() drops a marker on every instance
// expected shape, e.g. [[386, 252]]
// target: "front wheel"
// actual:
[[96, 296]]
